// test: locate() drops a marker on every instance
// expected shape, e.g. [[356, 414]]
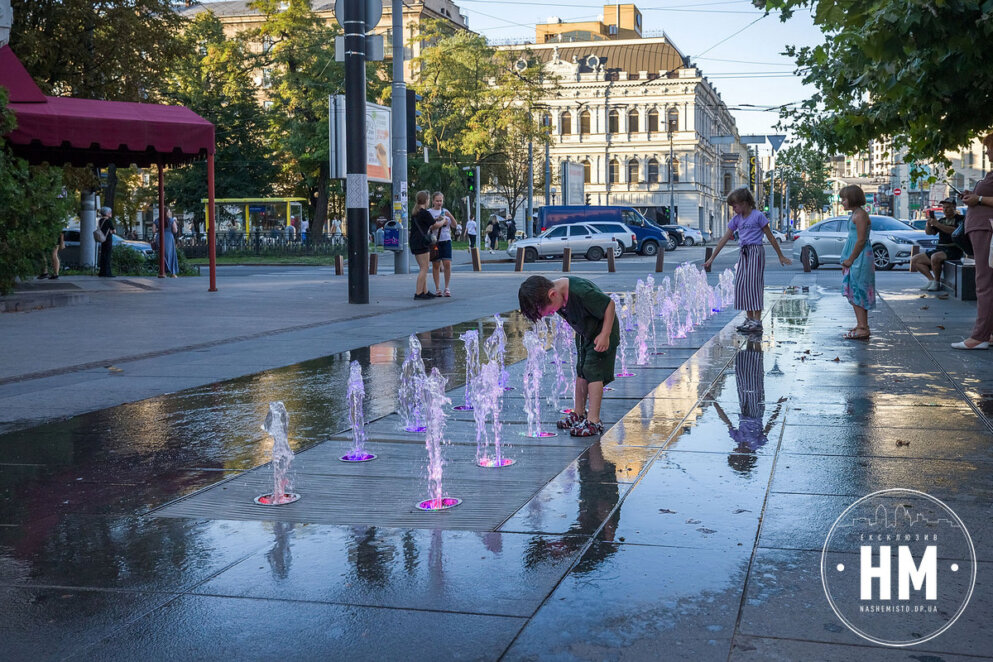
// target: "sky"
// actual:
[[734, 46]]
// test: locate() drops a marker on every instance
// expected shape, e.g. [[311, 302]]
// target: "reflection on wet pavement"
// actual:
[[693, 525]]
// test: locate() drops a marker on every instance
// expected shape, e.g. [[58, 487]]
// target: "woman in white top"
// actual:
[[471, 229], [441, 258]]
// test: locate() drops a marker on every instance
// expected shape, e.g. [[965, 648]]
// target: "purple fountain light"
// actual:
[[623, 344], [534, 368], [356, 416], [277, 424], [435, 403], [488, 402], [643, 321], [496, 347], [412, 379], [470, 339]]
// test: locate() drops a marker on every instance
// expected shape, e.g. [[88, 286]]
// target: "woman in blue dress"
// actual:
[[169, 233], [858, 282]]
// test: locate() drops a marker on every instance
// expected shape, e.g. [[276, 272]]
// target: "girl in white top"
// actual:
[[442, 257], [471, 229]]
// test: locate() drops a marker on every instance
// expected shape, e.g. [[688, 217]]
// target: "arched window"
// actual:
[[672, 118], [613, 171], [566, 123], [653, 121], [633, 171], [584, 122], [653, 171], [633, 121], [614, 122], [587, 171]]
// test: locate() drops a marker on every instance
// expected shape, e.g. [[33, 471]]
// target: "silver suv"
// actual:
[[891, 241], [581, 238]]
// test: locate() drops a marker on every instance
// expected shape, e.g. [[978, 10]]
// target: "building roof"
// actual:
[[239, 8], [631, 56]]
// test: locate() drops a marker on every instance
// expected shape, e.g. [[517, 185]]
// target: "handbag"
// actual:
[[961, 239], [99, 236]]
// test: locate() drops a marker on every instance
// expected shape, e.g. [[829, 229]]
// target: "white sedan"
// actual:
[[583, 239]]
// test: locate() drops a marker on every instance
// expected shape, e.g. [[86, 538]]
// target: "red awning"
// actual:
[[63, 130]]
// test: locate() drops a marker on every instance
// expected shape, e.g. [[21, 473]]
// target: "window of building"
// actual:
[[653, 120], [613, 122], [566, 124], [653, 171], [633, 121], [675, 170], [633, 171], [727, 184], [584, 122], [672, 119], [613, 171], [587, 171]]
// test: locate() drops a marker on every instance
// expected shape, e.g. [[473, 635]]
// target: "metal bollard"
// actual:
[[373, 263], [660, 261], [708, 253], [519, 260], [611, 264], [339, 265], [477, 263], [566, 260], [805, 259]]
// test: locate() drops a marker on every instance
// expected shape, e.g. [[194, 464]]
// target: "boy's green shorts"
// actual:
[[594, 366]]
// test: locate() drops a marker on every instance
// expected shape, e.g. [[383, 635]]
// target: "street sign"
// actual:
[[776, 141], [897, 191], [373, 12]]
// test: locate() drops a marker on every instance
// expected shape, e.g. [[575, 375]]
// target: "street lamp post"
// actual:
[[672, 118]]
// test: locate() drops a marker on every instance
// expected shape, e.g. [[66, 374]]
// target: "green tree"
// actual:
[[98, 49], [915, 71], [35, 207], [213, 79], [803, 169]]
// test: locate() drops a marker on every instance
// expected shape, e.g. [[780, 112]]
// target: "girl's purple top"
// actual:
[[749, 228]]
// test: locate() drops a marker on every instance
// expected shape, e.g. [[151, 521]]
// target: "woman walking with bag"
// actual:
[[421, 240]]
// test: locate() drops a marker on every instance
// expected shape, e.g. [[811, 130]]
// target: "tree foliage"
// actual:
[[35, 207], [212, 79], [803, 169], [916, 71]]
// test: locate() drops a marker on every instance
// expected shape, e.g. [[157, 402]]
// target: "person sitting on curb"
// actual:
[[929, 263]]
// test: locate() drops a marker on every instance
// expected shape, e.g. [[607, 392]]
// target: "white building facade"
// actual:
[[649, 129]]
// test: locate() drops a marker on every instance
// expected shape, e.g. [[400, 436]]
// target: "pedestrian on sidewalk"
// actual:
[[979, 228], [441, 259], [53, 274], [169, 230], [749, 277], [511, 232], [929, 264], [591, 315], [858, 280], [471, 230], [422, 227], [493, 232], [107, 227]]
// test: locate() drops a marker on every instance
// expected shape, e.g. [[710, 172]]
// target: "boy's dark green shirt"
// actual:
[[585, 308]]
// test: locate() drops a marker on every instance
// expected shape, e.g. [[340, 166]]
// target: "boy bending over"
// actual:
[[590, 313]]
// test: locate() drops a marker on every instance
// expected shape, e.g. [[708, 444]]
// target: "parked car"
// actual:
[[583, 239], [678, 232], [70, 254], [689, 236], [891, 241], [917, 224], [780, 236], [625, 237], [650, 236]]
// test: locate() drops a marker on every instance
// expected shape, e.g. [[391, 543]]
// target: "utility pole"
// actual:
[[356, 181], [548, 165], [530, 230], [401, 259], [479, 187]]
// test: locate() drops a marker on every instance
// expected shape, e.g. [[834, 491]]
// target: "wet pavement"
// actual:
[[692, 529]]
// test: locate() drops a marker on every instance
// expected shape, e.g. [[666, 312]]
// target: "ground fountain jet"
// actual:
[[412, 379], [356, 416], [623, 344], [643, 321], [564, 342], [435, 403], [277, 424], [470, 339], [534, 368], [488, 403], [496, 347]]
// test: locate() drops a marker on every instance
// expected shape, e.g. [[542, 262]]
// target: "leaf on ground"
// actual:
[[703, 529], [114, 368], [666, 511], [941, 327], [901, 442], [692, 521], [836, 359], [924, 307]]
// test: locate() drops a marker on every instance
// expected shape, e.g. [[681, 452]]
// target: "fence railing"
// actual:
[[238, 245]]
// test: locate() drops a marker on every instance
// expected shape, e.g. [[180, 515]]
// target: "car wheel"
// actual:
[[812, 256], [618, 250], [689, 242], [650, 248], [530, 254], [594, 254], [881, 257]]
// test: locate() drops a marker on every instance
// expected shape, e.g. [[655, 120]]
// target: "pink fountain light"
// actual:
[[533, 370], [435, 402], [356, 416], [470, 339], [488, 402], [277, 424]]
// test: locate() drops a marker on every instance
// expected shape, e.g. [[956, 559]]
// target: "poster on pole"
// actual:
[[573, 183], [379, 157]]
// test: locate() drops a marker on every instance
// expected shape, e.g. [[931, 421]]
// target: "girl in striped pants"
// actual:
[[749, 278]]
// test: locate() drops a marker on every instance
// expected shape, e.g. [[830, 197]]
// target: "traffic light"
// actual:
[[470, 180], [665, 215], [765, 209], [587, 199], [413, 144]]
